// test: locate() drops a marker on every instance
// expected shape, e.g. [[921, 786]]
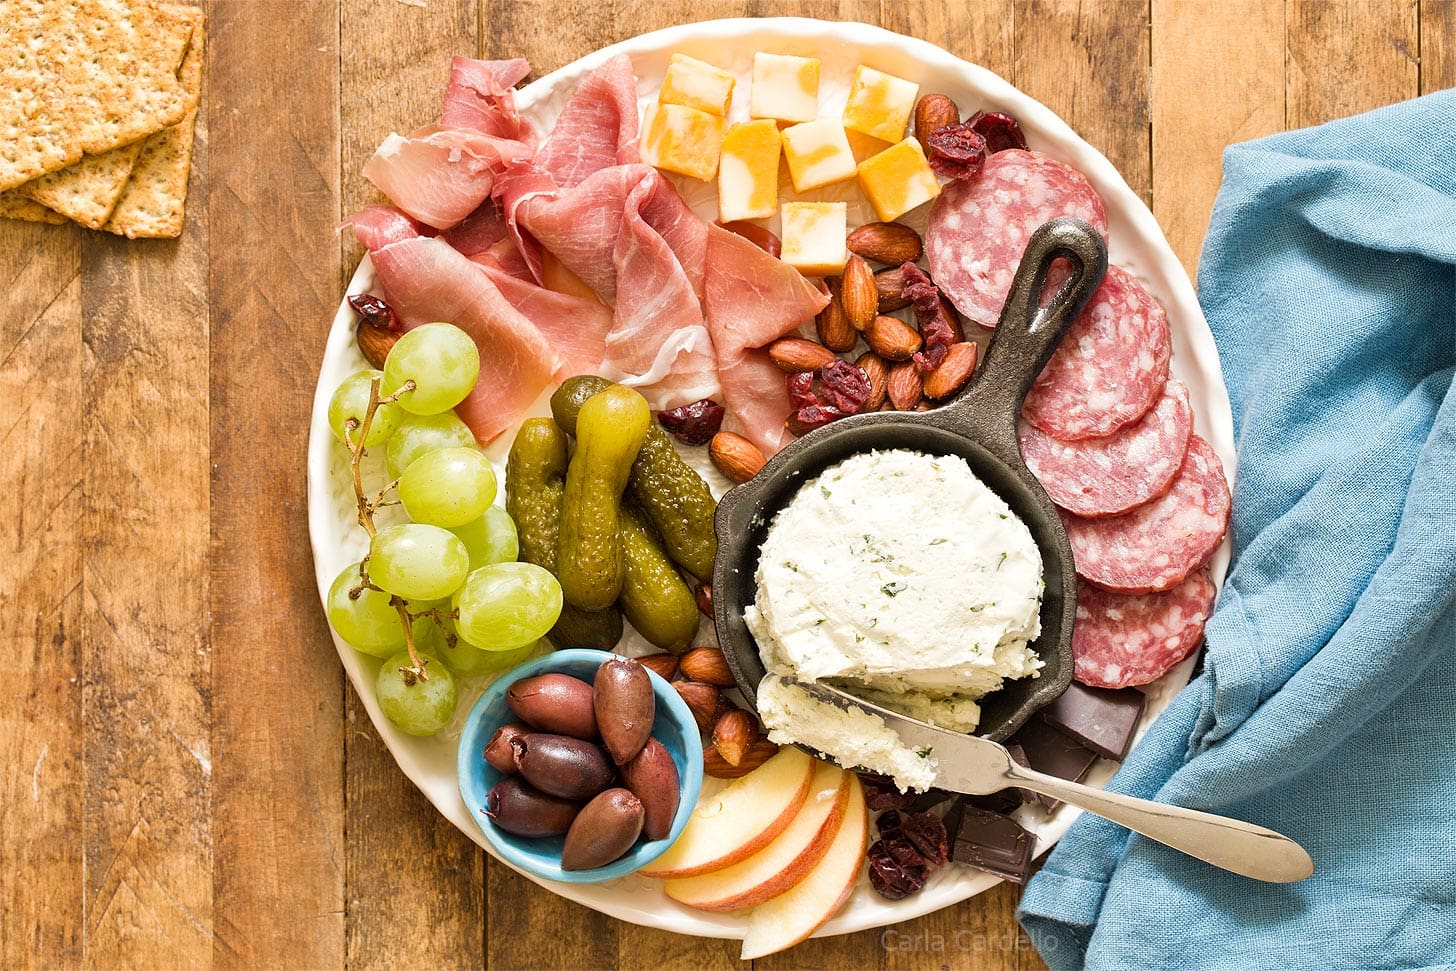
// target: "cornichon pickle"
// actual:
[[609, 430], [674, 497], [654, 597], [535, 481]]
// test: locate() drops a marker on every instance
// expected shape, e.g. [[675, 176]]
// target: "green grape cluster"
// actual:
[[449, 576]]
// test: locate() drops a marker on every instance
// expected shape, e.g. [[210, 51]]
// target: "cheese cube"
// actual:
[[748, 174], [897, 180], [784, 88], [879, 104], [818, 154], [813, 237], [683, 140], [697, 84]]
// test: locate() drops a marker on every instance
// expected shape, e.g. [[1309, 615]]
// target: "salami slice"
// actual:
[[1110, 366], [980, 227], [1124, 639], [1159, 543], [1110, 476]]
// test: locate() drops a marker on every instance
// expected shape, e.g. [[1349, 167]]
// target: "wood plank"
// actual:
[[41, 530], [1349, 57], [1438, 45], [272, 199], [1232, 55], [530, 928], [405, 865]]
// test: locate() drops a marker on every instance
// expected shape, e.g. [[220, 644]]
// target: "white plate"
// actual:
[[1136, 243]]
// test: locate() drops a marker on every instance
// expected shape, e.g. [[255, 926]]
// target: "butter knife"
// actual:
[[976, 766]]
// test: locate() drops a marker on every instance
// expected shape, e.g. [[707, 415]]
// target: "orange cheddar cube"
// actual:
[[697, 84], [680, 139], [879, 104], [897, 180], [813, 237], [748, 173], [818, 154], [785, 88]]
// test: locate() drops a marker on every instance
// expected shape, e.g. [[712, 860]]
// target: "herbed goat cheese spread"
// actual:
[[901, 577]]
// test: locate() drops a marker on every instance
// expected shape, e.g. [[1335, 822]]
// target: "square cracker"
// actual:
[[88, 190], [80, 76], [153, 203], [13, 206]]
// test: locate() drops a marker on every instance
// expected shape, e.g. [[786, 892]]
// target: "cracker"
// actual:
[[83, 76], [13, 206], [153, 204], [88, 190]]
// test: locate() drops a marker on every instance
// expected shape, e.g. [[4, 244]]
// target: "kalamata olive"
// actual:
[[652, 777], [554, 703], [624, 707], [605, 828], [560, 765], [498, 750], [517, 808]]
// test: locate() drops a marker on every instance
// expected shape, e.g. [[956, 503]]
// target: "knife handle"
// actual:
[[1230, 844]]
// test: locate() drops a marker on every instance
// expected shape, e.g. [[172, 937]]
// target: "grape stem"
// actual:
[[366, 507]]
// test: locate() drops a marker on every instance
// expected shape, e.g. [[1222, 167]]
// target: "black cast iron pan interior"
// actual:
[[979, 426]]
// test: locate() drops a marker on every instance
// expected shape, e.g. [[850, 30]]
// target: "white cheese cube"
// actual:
[[748, 173], [813, 236], [785, 88], [697, 84], [879, 104], [818, 154]]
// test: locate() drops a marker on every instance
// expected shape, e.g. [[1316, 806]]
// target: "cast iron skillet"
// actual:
[[979, 426]]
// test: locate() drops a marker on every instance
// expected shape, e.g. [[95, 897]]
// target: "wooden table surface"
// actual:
[[188, 781]]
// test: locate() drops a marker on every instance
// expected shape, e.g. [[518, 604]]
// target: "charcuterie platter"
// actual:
[[1107, 468]]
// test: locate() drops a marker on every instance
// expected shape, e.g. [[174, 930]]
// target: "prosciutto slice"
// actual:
[[481, 96], [597, 128], [425, 280], [378, 226], [440, 175]]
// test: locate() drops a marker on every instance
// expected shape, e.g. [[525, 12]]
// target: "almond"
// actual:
[[878, 372], [708, 665], [952, 318], [934, 111], [892, 338], [833, 328], [716, 766], [735, 456], [954, 371], [857, 292], [703, 700], [886, 243], [734, 734], [904, 386], [662, 665], [890, 288], [795, 354], [374, 343], [703, 597]]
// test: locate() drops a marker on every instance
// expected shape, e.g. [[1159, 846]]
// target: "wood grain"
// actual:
[[1348, 57], [277, 740], [1438, 45]]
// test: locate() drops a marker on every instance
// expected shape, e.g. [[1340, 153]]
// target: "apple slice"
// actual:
[[780, 864], [795, 914], [741, 819]]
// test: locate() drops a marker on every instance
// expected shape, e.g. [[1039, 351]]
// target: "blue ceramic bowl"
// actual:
[[541, 856]]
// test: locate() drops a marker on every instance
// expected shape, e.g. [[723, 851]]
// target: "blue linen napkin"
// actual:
[[1327, 708]]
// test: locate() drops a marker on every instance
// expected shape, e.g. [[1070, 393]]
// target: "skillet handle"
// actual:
[[1028, 333]]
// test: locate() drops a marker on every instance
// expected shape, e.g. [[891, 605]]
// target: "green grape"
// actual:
[[351, 400], [416, 707], [418, 562], [428, 636], [507, 605], [417, 434], [448, 487], [490, 539], [368, 622], [442, 361], [469, 661]]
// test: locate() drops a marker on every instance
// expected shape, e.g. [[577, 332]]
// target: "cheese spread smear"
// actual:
[[902, 578]]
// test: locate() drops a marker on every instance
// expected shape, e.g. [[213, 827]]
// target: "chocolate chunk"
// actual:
[[1050, 751], [1102, 719], [991, 842]]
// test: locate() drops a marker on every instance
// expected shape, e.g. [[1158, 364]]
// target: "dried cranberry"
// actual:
[[693, 424], [956, 151], [926, 832], [845, 385], [885, 797], [935, 330], [902, 851], [374, 311], [837, 390], [800, 389], [889, 822], [1000, 131], [892, 880]]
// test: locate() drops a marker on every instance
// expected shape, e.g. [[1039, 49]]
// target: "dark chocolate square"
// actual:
[[1102, 719], [1050, 751], [990, 841]]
